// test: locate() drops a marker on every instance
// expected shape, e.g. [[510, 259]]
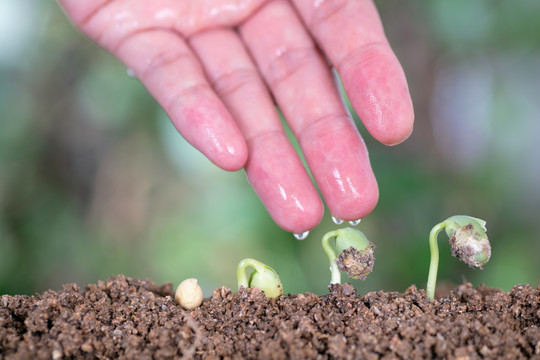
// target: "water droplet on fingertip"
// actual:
[[337, 221], [355, 222], [131, 73], [301, 236]]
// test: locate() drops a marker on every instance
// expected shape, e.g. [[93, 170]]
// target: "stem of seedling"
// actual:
[[241, 275], [332, 256], [434, 264]]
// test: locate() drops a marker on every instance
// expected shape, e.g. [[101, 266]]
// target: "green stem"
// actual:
[[241, 275], [434, 264], [332, 256]]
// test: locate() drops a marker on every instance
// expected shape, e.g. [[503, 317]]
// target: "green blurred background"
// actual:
[[95, 181]]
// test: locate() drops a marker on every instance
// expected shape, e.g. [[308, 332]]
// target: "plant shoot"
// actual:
[[263, 277], [352, 253], [468, 242]]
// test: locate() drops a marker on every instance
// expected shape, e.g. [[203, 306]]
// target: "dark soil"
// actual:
[[127, 318]]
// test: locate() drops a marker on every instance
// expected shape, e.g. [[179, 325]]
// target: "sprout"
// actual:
[[355, 254], [468, 242], [263, 277]]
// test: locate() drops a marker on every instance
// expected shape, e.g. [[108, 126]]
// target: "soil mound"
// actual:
[[136, 319]]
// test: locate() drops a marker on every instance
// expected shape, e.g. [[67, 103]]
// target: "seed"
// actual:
[[189, 294]]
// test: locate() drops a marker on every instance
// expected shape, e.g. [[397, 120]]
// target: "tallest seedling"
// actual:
[[468, 242]]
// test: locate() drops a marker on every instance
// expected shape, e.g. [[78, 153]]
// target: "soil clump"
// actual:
[[135, 319]]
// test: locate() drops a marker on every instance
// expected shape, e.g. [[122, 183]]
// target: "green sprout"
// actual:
[[263, 277], [353, 254], [468, 242]]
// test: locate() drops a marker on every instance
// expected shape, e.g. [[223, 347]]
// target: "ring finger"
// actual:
[[303, 86], [273, 167]]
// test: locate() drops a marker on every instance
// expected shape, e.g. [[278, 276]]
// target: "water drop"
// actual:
[[337, 221], [355, 222], [131, 73], [301, 236]]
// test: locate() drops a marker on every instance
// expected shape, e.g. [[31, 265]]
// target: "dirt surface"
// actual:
[[135, 319]]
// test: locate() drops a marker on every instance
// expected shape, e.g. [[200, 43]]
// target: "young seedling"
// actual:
[[353, 254], [263, 277], [468, 242]]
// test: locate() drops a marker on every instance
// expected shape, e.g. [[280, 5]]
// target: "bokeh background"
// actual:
[[95, 181]]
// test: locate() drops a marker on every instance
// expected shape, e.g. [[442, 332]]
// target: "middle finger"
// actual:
[[303, 86]]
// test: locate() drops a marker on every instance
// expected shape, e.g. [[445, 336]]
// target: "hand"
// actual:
[[217, 66]]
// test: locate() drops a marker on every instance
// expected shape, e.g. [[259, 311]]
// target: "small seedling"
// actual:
[[468, 242], [263, 277], [353, 254], [189, 294]]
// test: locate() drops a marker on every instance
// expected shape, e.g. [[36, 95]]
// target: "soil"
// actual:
[[136, 319]]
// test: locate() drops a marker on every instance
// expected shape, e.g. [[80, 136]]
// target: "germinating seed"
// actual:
[[189, 294]]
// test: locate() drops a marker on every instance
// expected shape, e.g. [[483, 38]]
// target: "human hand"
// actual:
[[217, 66]]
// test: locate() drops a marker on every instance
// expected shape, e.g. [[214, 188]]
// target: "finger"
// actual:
[[303, 86], [351, 35], [79, 10], [273, 167], [108, 21], [166, 66]]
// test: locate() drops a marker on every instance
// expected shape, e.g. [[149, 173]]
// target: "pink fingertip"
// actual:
[[279, 178], [208, 126], [341, 167], [233, 159], [378, 91], [354, 208], [229, 154]]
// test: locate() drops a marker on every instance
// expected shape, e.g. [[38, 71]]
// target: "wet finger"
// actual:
[[303, 86], [273, 167], [171, 73], [351, 34], [108, 21], [79, 10]]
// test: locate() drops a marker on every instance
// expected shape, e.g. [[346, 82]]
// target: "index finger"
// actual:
[[351, 34]]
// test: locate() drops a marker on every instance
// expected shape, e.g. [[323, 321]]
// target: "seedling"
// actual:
[[352, 253], [468, 242], [263, 277]]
